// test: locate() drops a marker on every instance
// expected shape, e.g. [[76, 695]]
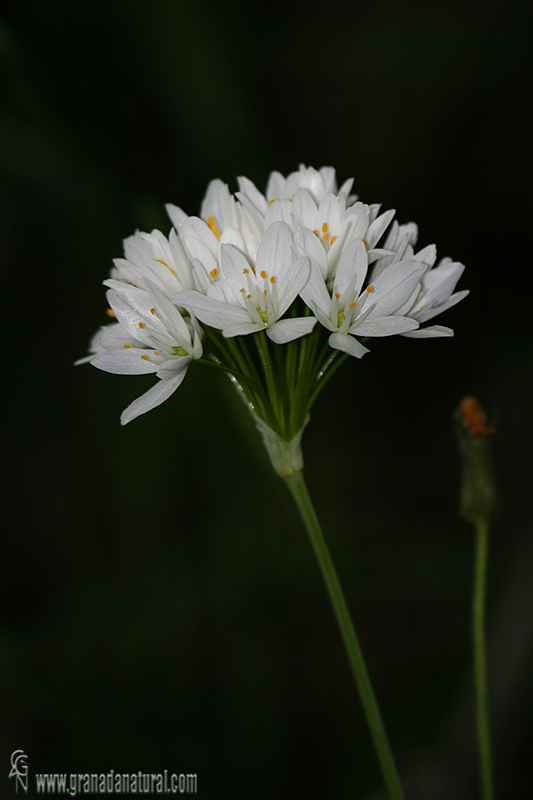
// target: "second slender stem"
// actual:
[[480, 668], [299, 491]]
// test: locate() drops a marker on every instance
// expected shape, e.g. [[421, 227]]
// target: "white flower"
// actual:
[[374, 311], [160, 260], [241, 266], [250, 297], [435, 296], [150, 335]]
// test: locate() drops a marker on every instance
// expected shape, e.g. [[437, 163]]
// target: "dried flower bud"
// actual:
[[478, 493]]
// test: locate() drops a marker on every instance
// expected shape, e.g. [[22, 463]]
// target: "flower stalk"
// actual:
[[478, 502], [298, 489]]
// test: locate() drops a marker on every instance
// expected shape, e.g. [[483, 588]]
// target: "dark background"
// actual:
[[160, 607]]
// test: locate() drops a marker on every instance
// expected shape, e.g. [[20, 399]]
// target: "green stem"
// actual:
[[480, 661], [299, 491]]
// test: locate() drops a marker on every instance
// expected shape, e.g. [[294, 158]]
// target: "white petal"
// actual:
[[124, 362], [169, 369], [347, 343], [352, 268], [429, 313], [253, 194], [242, 329], [177, 216], [274, 253], [377, 228], [384, 326], [286, 330], [395, 285], [429, 333], [152, 398], [315, 295], [132, 309], [304, 209], [312, 246], [198, 251], [233, 262], [292, 283], [279, 211], [212, 312]]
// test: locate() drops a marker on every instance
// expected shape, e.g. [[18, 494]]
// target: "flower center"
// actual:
[[327, 239]]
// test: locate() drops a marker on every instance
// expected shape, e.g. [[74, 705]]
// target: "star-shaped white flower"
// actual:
[[351, 311], [252, 297], [435, 296], [150, 335]]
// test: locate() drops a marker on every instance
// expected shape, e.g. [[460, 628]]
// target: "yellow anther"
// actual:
[[242, 290], [264, 292], [162, 262], [325, 237], [333, 239], [422, 308], [212, 223], [145, 358], [152, 311], [370, 289], [365, 242], [263, 274], [156, 352], [214, 272], [352, 305], [337, 295], [316, 233], [110, 313], [245, 271], [142, 325], [127, 347], [271, 201], [248, 296], [272, 279], [325, 227]]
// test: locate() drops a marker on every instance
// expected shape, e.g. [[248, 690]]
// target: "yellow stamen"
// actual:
[[370, 289], [127, 347], [156, 352], [245, 271], [316, 233], [333, 239], [110, 313], [145, 358], [271, 201], [212, 223], [264, 292], [325, 237], [352, 305], [273, 279], [142, 325], [325, 227], [152, 311], [214, 272], [337, 295], [263, 274]]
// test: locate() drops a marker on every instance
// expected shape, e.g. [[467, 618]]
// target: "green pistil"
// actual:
[[264, 315], [340, 319], [179, 351]]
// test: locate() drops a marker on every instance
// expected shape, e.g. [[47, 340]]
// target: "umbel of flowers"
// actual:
[[277, 289]]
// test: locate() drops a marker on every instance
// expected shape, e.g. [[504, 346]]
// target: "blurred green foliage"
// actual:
[[159, 604]]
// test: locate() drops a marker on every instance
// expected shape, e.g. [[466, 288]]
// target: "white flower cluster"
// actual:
[[241, 264]]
